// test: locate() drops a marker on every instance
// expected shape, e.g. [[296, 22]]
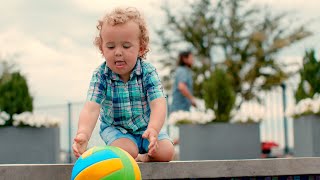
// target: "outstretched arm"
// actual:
[[87, 122], [157, 117]]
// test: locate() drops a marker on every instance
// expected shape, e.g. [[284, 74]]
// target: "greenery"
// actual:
[[15, 97], [307, 95], [219, 95], [310, 77], [247, 39]]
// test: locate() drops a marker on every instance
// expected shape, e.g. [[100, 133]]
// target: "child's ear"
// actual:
[[141, 51]]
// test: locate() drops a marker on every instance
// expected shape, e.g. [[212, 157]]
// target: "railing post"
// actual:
[[285, 121], [69, 132]]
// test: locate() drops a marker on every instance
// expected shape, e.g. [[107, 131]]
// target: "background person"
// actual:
[[182, 95]]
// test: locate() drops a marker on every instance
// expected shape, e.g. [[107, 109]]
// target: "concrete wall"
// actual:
[[29, 145], [306, 136], [180, 169], [219, 141]]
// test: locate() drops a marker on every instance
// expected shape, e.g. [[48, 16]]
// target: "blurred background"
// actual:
[[260, 44]]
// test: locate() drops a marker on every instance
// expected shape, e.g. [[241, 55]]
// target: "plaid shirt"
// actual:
[[125, 105]]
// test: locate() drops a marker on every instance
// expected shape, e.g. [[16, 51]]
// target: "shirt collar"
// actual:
[[113, 76]]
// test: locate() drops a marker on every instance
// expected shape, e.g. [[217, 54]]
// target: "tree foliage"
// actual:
[[310, 77], [15, 97], [247, 38]]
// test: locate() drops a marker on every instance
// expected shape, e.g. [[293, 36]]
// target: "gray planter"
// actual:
[[219, 141], [27, 145], [307, 136]]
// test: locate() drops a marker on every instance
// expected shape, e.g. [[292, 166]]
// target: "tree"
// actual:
[[248, 38], [15, 97], [310, 77]]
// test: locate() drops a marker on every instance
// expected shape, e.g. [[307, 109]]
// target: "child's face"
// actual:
[[121, 47]]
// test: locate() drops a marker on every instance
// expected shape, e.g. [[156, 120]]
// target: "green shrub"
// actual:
[[15, 97], [219, 95], [310, 77]]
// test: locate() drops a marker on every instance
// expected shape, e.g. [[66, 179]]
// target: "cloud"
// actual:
[[54, 74], [298, 5], [98, 6]]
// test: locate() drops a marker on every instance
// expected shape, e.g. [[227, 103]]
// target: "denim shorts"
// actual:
[[111, 134]]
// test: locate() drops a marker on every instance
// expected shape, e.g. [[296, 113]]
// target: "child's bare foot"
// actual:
[[143, 158]]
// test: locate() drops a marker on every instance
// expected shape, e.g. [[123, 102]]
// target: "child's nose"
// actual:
[[118, 52]]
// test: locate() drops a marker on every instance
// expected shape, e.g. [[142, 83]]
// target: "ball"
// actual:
[[105, 162]]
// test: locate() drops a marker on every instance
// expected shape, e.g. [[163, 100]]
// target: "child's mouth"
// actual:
[[120, 63]]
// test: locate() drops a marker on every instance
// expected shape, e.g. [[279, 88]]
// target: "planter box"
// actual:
[[27, 145], [219, 141], [306, 136]]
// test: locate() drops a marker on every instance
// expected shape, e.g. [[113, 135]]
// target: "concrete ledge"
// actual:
[[229, 169], [179, 169]]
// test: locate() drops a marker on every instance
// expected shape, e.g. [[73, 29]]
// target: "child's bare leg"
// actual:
[[164, 153], [127, 145]]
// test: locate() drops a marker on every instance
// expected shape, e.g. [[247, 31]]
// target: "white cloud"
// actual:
[[98, 6], [309, 5], [55, 75]]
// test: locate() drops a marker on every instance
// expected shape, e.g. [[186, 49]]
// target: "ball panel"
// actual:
[[87, 153], [136, 168], [98, 148], [99, 170], [82, 163], [117, 175], [128, 171]]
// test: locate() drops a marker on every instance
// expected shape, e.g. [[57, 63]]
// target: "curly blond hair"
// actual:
[[121, 16]]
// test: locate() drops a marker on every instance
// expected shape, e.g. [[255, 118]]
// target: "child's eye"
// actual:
[[110, 45], [126, 45]]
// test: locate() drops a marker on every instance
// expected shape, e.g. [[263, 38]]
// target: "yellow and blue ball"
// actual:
[[106, 163]]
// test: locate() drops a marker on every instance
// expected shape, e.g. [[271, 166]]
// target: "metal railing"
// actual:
[[275, 126]]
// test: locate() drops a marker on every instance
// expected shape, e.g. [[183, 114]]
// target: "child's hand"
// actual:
[[152, 135], [80, 144]]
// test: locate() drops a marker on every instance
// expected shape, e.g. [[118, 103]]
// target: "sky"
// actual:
[[51, 41]]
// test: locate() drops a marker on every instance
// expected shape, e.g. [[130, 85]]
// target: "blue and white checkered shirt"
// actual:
[[125, 106]]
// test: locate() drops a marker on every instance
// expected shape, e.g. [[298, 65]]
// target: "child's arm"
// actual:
[[87, 122], [157, 117]]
